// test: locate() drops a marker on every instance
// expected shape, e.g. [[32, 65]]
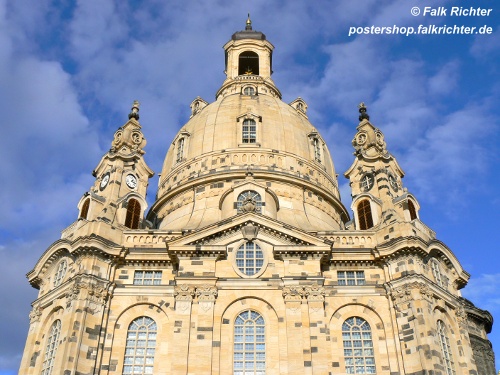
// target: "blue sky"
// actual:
[[69, 71]]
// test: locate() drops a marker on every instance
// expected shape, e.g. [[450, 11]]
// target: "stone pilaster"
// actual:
[[202, 323], [318, 329], [184, 295], [294, 326]]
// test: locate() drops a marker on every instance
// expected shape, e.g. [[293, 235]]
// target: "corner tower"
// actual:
[[378, 196]]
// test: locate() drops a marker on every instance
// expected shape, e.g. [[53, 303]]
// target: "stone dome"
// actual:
[[248, 143]]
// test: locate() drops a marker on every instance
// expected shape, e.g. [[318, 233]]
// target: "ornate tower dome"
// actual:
[[248, 146]]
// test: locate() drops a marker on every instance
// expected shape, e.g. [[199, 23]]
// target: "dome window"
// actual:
[[249, 131], [317, 150], [249, 90], [180, 150], [249, 201], [365, 215], [248, 64]]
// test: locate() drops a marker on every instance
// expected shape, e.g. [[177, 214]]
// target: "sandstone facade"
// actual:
[[248, 261]]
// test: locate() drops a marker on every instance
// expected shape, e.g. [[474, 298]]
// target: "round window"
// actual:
[[249, 258]]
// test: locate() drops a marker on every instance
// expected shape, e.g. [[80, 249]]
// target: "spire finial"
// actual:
[[248, 23], [134, 113], [362, 110]]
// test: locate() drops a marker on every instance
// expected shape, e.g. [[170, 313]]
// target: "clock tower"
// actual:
[[378, 196], [118, 196]]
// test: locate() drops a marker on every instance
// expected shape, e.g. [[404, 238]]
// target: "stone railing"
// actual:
[[146, 238], [353, 239]]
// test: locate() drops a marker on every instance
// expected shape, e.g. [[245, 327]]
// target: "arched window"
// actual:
[[413, 211], [249, 201], [51, 348], [133, 214], [180, 150], [249, 90], [249, 356], [60, 273], [359, 356], [436, 271], [248, 63], [317, 150], [140, 346], [85, 209], [249, 131], [444, 340], [249, 258], [365, 215]]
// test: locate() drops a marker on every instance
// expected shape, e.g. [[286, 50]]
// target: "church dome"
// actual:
[[248, 143]]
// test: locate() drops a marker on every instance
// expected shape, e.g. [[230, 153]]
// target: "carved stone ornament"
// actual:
[[184, 292], [206, 296], [314, 292], [248, 205], [426, 292], [293, 293], [401, 295], [94, 293], [461, 317], [35, 314], [206, 293]]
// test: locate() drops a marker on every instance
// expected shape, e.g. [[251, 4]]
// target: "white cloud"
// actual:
[[482, 290]]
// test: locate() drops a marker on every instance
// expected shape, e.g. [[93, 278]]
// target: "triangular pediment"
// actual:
[[241, 226]]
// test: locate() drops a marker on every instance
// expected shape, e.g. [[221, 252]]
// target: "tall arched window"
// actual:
[[317, 150], [249, 131], [359, 356], [140, 346], [249, 201], [365, 215], [51, 348], [436, 271], [444, 340], [133, 214], [180, 150], [60, 273], [249, 355], [413, 211], [85, 209], [248, 63]]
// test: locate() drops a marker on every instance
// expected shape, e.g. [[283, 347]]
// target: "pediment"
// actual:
[[243, 226]]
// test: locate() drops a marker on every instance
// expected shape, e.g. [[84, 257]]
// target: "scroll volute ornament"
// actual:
[[128, 138]]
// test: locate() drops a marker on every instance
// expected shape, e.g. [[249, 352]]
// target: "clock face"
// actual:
[[393, 182], [131, 181], [104, 181], [367, 182]]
